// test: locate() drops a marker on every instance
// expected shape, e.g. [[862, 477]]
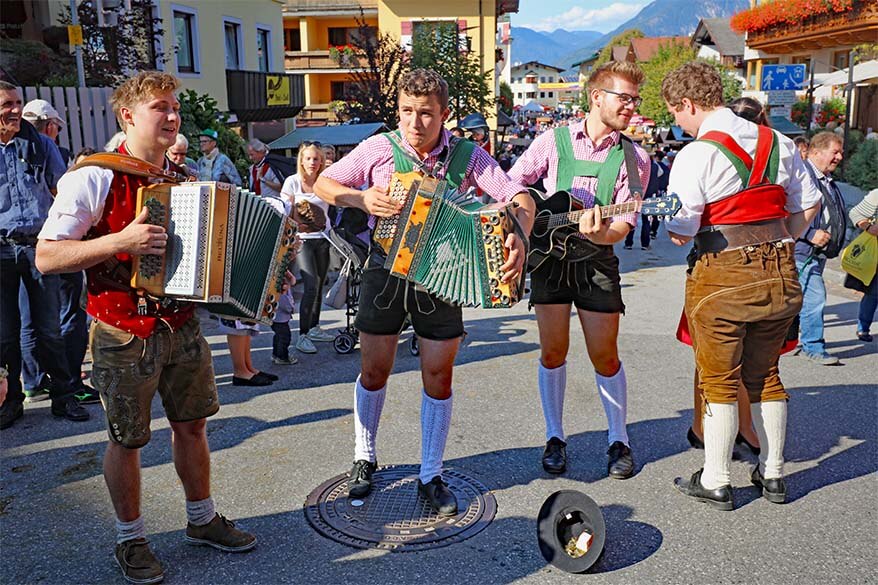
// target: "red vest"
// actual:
[[759, 199], [110, 296]]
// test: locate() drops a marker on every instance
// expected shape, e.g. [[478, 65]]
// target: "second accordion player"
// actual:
[[452, 245], [227, 247]]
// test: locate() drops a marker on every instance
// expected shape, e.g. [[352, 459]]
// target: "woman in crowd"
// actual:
[[310, 212], [864, 215]]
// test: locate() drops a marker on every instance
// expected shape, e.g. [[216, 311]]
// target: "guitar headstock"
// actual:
[[663, 208]]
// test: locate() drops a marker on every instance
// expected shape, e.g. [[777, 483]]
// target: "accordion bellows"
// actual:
[[452, 245], [227, 248]]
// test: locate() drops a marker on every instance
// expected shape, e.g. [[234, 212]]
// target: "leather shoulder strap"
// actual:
[[123, 163], [635, 185]]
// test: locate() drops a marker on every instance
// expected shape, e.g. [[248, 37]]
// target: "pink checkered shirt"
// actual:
[[371, 163], [540, 161]]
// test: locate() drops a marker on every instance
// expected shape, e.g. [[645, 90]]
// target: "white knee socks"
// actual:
[[367, 414], [435, 422], [614, 396], [552, 383], [720, 429], [770, 422]]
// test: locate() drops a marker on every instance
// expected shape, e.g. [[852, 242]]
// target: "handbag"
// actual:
[[860, 257], [311, 217]]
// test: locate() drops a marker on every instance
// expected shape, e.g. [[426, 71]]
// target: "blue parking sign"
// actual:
[[782, 77]]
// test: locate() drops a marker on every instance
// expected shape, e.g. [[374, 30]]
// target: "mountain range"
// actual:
[[660, 18]]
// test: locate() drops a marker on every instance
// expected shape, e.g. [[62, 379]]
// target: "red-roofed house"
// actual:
[[643, 49]]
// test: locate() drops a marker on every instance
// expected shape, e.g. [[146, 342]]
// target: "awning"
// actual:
[[503, 119], [679, 134], [343, 135], [532, 107], [784, 126], [862, 72], [255, 96]]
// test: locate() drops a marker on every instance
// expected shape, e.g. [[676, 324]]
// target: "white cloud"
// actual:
[[578, 18]]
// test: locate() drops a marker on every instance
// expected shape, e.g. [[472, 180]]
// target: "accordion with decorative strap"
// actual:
[[227, 247], [452, 245]]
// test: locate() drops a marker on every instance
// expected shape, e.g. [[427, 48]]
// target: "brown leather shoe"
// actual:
[[137, 562], [220, 533]]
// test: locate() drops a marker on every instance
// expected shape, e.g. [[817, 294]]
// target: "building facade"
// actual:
[[313, 26], [536, 82]]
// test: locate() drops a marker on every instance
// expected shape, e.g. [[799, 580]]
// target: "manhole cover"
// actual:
[[394, 516]]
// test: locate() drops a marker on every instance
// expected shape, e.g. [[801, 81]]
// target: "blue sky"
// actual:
[[599, 15]]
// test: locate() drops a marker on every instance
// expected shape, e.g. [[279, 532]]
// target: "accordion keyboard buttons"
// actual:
[[151, 265]]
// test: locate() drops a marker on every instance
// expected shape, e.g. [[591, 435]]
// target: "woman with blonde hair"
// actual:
[[310, 212]]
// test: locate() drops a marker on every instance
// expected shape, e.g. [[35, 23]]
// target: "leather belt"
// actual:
[[718, 238], [18, 240]]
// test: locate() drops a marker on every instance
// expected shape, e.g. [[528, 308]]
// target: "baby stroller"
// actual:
[[350, 238], [346, 291]]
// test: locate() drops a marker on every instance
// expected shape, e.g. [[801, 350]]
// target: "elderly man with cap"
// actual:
[[214, 165], [46, 120], [178, 155], [30, 167]]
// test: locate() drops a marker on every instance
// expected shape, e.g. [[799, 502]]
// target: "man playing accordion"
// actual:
[[420, 144]]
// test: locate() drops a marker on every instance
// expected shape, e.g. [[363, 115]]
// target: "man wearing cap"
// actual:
[[48, 121], [214, 165], [74, 331], [30, 166]]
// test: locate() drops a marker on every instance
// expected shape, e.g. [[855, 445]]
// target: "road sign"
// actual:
[[782, 98], [783, 111], [782, 77], [74, 35]]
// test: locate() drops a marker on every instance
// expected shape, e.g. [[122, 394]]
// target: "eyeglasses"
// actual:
[[306, 143], [205, 140], [625, 98]]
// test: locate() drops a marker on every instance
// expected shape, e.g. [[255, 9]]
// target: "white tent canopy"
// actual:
[[862, 72], [532, 107]]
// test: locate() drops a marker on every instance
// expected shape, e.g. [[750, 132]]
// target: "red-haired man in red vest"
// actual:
[[745, 196]]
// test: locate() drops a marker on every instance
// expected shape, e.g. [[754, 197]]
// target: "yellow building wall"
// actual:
[[211, 77], [481, 22], [320, 85]]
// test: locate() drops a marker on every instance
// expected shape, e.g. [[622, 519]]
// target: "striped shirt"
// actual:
[[540, 161], [371, 164]]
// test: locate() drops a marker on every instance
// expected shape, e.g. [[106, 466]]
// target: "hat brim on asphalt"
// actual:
[[565, 515]]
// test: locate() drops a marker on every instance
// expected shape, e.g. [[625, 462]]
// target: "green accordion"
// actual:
[[227, 248], [452, 245]]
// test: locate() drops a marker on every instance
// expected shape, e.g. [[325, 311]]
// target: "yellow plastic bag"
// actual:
[[860, 257]]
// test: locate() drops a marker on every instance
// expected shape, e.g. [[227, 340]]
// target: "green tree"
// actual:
[[438, 47], [199, 112], [862, 169], [505, 100], [667, 58], [126, 43], [372, 93]]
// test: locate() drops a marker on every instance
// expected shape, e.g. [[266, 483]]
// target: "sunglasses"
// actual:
[[625, 98], [306, 143]]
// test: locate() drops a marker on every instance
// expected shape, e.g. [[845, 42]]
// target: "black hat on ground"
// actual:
[[571, 531]]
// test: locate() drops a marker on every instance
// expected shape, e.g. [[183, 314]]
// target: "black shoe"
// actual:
[[256, 380], [620, 463], [439, 496], [864, 336], [267, 376], [360, 482], [555, 456], [720, 498], [70, 409], [773, 490], [694, 440], [87, 395], [9, 413], [740, 440]]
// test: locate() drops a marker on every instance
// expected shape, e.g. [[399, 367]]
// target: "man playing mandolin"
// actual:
[[591, 161]]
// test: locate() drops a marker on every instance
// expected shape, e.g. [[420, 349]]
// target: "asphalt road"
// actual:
[[271, 446]]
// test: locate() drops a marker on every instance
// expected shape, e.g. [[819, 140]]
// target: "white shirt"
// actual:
[[79, 204], [702, 174], [292, 189]]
